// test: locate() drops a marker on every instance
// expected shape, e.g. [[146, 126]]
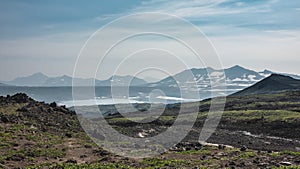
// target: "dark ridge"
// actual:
[[17, 98], [273, 84], [46, 117]]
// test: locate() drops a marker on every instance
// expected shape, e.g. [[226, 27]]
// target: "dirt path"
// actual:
[[77, 152], [256, 142]]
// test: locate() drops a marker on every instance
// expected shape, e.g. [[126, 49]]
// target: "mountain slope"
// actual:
[[238, 72], [121, 81], [272, 84], [58, 81]]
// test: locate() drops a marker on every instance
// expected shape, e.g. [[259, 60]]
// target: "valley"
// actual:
[[255, 131]]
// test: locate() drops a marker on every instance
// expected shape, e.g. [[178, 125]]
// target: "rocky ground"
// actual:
[[39, 135]]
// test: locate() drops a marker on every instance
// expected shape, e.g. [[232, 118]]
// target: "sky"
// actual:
[[47, 36]]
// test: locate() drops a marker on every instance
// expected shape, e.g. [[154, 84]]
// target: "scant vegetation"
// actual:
[[263, 130]]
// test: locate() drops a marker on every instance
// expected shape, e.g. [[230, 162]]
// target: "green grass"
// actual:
[[275, 154], [79, 166], [134, 119], [268, 115], [292, 153], [249, 154], [26, 153], [158, 163], [204, 152], [11, 108], [48, 152]]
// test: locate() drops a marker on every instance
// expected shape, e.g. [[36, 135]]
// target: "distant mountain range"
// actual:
[[272, 84], [2, 84], [39, 79], [36, 79], [237, 78]]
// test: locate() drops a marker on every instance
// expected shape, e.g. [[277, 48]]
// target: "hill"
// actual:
[[272, 84], [34, 132], [39, 135]]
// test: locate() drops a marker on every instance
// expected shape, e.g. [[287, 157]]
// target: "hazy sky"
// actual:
[[46, 36]]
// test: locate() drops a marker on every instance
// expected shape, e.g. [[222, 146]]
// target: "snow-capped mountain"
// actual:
[[58, 81], [121, 81], [236, 78]]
